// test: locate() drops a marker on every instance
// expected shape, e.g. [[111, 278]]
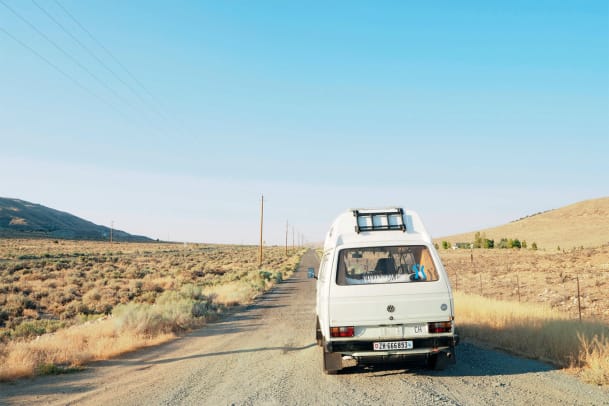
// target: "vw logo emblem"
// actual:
[[391, 308]]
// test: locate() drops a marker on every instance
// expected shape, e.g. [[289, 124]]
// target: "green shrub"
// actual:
[[172, 312], [33, 328]]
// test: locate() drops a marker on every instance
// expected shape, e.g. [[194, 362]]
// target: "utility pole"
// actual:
[[286, 238], [261, 224]]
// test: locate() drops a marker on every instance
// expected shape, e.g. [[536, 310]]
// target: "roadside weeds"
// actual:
[[133, 326], [537, 332]]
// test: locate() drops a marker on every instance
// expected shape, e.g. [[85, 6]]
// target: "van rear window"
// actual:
[[394, 264]]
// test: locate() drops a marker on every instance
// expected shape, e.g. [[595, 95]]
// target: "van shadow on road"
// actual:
[[283, 349]]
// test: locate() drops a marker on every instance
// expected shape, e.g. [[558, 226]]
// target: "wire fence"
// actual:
[[581, 292]]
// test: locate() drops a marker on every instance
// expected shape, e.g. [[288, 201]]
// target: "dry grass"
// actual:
[[536, 331], [548, 278], [143, 293], [71, 348], [526, 302]]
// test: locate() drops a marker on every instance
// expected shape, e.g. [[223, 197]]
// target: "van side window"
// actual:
[[393, 264]]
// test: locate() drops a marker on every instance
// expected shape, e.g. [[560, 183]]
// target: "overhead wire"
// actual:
[[151, 104], [150, 109], [89, 51], [115, 59], [61, 71], [64, 52]]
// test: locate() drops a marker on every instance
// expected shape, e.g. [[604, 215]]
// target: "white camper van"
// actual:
[[382, 292]]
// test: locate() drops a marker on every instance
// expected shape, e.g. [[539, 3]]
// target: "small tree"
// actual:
[[534, 246], [488, 243], [477, 240], [445, 245], [524, 244], [503, 243], [516, 243]]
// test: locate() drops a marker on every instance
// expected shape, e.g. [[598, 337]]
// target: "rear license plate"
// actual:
[[392, 345]]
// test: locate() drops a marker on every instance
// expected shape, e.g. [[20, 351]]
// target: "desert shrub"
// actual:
[[47, 369], [172, 312], [33, 328], [4, 315], [147, 297], [72, 309], [91, 296], [15, 304], [191, 291]]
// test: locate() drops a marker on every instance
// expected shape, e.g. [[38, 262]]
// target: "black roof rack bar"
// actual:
[[397, 213]]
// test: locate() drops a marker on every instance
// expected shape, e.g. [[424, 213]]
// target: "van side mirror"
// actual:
[[311, 273]]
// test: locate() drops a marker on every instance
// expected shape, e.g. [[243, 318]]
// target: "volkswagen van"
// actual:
[[382, 292]]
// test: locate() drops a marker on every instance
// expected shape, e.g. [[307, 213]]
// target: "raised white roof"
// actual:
[[390, 225]]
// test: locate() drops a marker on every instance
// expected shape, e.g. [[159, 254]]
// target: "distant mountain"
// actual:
[[581, 224], [21, 219]]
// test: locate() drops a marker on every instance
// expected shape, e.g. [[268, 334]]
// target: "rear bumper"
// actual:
[[365, 347]]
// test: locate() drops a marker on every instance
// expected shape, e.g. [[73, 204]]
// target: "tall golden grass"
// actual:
[[71, 348], [538, 332]]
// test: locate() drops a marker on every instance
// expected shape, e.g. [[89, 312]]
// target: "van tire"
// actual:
[[332, 362], [318, 337]]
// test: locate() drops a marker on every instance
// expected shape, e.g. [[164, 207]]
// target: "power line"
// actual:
[[83, 46], [58, 69], [90, 52], [107, 51], [46, 37]]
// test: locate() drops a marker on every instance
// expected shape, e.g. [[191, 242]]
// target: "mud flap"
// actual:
[[333, 361], [318, 337], [442, 359]]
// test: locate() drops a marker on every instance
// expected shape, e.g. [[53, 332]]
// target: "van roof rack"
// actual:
[[379, 219]]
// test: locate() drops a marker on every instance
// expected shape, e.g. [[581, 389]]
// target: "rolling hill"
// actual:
[[21, 219], [581, 224]]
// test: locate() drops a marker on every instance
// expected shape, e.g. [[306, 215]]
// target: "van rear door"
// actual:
[[389, 286]]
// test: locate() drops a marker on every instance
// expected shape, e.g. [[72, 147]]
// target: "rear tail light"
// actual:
[[342, 331], [439, 327]]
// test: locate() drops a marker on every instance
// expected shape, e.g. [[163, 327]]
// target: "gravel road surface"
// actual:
[[266, 355]]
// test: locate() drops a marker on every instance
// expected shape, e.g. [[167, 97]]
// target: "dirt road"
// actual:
[[266, 355]]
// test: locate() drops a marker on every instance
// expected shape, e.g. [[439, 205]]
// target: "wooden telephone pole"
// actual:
[[286, 238], [261, 224]]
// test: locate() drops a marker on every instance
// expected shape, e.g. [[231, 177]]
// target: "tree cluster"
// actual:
[[480, 241]]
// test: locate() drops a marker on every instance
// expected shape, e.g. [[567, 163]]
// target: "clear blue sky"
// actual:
[[471, 113]]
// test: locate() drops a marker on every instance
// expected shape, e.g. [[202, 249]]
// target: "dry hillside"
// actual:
[[581, 224]]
